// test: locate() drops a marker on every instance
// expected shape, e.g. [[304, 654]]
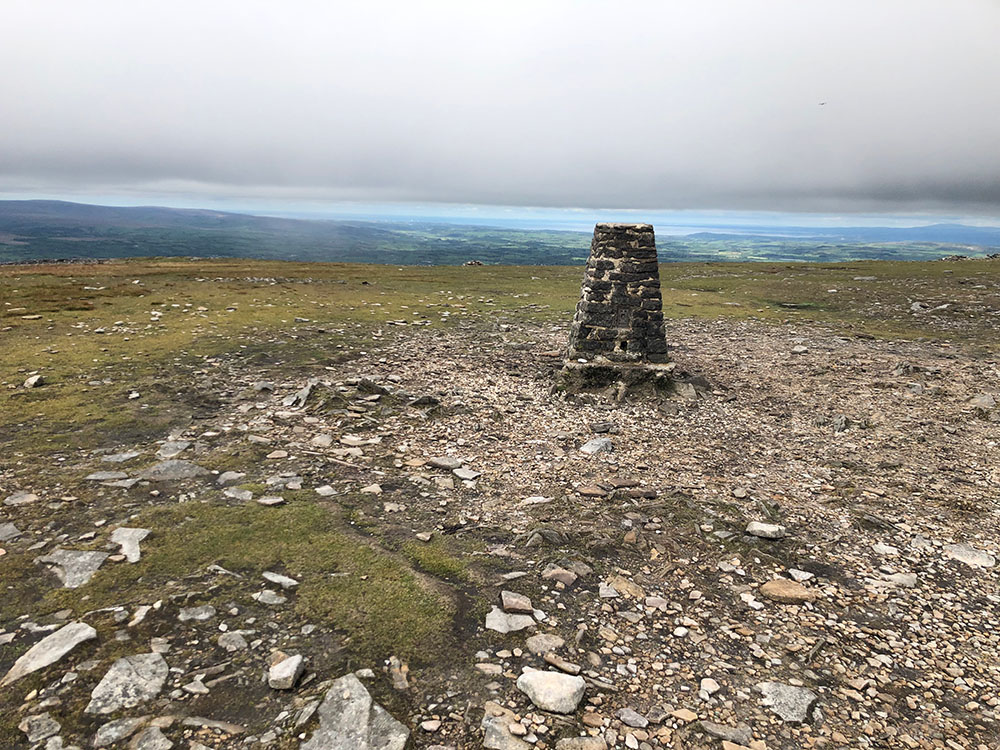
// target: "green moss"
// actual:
[[20, 589], [346, 583], [435, 558]]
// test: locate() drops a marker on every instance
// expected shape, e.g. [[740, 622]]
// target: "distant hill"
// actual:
[[48, 230], [35, 230], [953, 234]]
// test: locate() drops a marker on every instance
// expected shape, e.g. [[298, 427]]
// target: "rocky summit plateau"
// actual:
[[341, 507]]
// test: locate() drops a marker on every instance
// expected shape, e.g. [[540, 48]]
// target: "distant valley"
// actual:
[[49, 230]]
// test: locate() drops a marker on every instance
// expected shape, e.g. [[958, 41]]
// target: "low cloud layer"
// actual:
[[830, 105]]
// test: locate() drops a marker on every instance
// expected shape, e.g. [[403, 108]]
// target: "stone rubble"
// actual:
[[733, 568]]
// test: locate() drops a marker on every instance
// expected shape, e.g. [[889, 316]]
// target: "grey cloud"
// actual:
[[826, 105]]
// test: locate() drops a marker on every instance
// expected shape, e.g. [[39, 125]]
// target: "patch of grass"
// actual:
[[20, 588], [435, 558], [347, 584]]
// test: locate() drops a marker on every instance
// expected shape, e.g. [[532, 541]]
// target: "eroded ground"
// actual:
[[852, 405]]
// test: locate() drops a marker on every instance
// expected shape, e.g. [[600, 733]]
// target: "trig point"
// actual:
[[617, 333]]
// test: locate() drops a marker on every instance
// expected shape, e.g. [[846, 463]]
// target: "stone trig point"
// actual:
[[617, 333]]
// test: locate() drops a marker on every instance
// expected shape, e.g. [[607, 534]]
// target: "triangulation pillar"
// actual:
[[618, 327]]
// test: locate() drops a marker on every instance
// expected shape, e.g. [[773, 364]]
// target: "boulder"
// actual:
[[766, 530], [285, 671], [969, 555]]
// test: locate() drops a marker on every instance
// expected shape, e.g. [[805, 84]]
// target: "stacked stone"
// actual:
[[620, 314]]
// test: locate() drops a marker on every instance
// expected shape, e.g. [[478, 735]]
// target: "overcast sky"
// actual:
[[804, 105]]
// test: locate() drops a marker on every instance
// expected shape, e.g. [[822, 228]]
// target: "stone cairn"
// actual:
[[617, 333]]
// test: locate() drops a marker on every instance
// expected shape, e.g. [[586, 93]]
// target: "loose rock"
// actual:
[[128, 539], [49, 650], [173, 470], [766, 530], [552, 691], [285, 673], [786, 592], [130, 681], [74, 567], [350, 720], [790, 702], [502, 622]]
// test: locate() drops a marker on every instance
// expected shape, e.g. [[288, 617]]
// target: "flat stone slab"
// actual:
[[514, 603], [106, 476], [350, 720], [741, 735], [445, 462], [173, 470], [9, 531], [786, 591], [173, 448], [39, 727], [74, 567], [118, 730], [130, 681], [269, 597], [766, 530], [227, 478], [543, 643], [969, 555], [128, 540], [199, 614], [581, 743], [552, 691], [284, 581], [21, 497], [496, 724], [49, 650], [151, 738], [790, 702], [502, 622], [120, 458]]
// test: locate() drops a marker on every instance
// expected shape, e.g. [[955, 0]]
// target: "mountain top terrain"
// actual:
[[258, 504]]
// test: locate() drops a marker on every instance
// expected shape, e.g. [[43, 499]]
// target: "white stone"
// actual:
[[502, 622], [49, 650], [597, 445], [552, 691], [128, 539], [790, 702], [766, 530], [130, 681], [350, 720], [969, 555], [74, 567], [284, 674], [284, 581]]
